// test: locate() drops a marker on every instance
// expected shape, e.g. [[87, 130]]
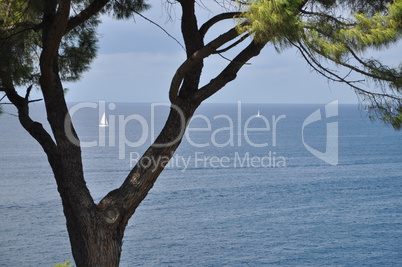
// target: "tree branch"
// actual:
[[328, 17], [230, 72], [85, 14], [160, 27], [389, 78], [192, 39], [26, 25], [35, 129], [36, 28], [323, 71], [196, 58], [54, 26], [141, 178], [193, 42], [78, 203], [28, 92], [351, 67], [232, 45], [223, 16]]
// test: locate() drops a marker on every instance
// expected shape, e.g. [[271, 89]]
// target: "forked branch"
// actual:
[[230, 72], [196, 58]]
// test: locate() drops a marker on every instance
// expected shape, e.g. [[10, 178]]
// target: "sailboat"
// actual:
[[258, 114], [103, 122]]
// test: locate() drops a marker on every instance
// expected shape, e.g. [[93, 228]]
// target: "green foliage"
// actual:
[[77, 50], [337, 31], [20, 43], [125, 9], [274, 20], [21, 35], [336, 39], [388, 116], [12, 12], [66, 264], [17, 43], [361, 6]]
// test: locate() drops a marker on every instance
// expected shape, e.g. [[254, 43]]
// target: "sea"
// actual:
[[250, 185]]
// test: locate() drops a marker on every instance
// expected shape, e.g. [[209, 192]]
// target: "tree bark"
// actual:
[[98, 240], [96, 230], [100, 246]]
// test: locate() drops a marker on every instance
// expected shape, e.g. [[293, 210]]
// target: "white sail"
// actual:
[[258, 114], [103, 122]]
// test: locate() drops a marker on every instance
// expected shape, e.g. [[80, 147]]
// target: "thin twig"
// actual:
[[28, 92], [232, 45], [30, 101], [8, 113], [160, 27], [323, 71]]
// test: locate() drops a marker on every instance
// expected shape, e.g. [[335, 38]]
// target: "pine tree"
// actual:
[[339, 32], [46, 42]]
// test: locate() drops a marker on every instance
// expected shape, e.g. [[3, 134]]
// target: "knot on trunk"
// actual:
[[111, 215]]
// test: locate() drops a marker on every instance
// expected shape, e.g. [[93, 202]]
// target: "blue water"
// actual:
[[296, 211]]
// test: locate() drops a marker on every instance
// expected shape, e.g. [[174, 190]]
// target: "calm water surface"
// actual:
[[217, 203]]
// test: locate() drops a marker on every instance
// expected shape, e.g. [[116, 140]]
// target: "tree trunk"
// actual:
[[96, 231], [95, 237], [101, 246]]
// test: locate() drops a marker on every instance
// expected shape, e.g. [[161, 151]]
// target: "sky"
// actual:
[[137, 60]]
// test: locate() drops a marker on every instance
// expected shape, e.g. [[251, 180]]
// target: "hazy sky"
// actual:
[[137, 60]]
